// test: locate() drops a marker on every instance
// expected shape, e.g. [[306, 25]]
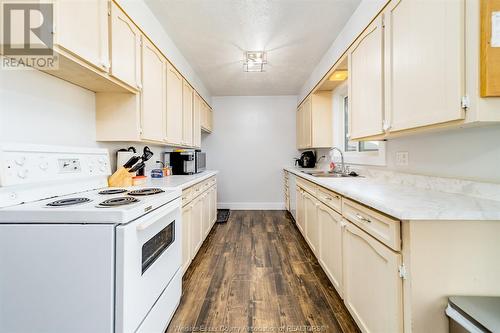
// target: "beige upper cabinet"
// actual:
[[372, 285], [206, 118], [424, 62], [298, 126], [330, 244], [125, 48], [81, 28], [153, 93], [306, 124], [187, 114], [366, 113], [174, 106], [314, 121], [197, 120]]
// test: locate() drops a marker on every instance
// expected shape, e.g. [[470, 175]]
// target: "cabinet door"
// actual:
[[298, 127], [300, 210], [197, 120], [186, 236], [307, 124], [424, 61], [187, 114], [210, 119], [372, 286], [214, 204], [366, 83], [311, 222], [330, 244], [125, 48], [174, 106], [196, 226], [206, 212], [153, 92], [82, 29]]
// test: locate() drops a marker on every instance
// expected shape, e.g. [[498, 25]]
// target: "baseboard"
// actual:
[[252, 205]]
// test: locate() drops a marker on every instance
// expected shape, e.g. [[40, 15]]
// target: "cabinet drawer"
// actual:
[[329, 198], [307, 185], [187, 195], [384, 228]]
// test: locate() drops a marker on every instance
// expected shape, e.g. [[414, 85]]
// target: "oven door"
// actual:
[[148, 255]]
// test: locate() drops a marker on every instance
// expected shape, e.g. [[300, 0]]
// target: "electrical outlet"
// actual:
[[402, 158]]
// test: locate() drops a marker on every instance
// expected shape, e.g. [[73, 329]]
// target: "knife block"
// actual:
[[121, 178]]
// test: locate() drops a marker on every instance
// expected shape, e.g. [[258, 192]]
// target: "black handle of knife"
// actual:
[[133, 160], [137, 167]]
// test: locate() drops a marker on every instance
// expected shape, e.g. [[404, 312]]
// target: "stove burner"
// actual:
[[120, 201], [145, 191], [113, 191], [68, 202]]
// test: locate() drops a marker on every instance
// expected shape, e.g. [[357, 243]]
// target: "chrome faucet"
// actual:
[[343, 169]]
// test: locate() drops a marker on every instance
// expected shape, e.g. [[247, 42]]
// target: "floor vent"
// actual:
[[223, 215]]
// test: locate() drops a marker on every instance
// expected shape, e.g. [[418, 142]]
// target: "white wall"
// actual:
[[253, 138], [470, 153]]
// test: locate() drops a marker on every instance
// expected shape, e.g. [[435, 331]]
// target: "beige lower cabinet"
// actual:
[[206, 213], [196, 226], [393, 275], [187, 212], [330, 244], [311, 221], [373, 289], [300, 209], [199, 214]]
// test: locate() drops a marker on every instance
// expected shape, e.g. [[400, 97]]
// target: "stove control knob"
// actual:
[[22, 174], [101, 160], [44, 166], [20, 160], [102, 168]]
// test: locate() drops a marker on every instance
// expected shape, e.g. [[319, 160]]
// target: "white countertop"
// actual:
[[408, 202], [180, 181]]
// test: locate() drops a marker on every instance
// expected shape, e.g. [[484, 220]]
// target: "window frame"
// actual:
[[368, 157]]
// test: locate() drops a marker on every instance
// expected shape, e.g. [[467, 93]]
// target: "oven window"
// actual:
[[154, 247]]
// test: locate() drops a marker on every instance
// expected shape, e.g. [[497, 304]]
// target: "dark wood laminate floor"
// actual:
[[257, 274]]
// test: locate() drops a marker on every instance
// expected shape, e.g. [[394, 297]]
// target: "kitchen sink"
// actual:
[[328, 174]]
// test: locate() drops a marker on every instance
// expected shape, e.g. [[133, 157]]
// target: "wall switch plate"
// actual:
[[402, 158]]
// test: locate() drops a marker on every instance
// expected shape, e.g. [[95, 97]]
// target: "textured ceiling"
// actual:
[[213, 34]]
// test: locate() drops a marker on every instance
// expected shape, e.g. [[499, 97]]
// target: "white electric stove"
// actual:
[[77, 256]]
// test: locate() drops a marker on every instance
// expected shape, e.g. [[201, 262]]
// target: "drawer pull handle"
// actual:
[[362, 218]]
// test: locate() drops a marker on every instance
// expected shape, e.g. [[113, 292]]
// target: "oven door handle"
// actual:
[[163, 210]]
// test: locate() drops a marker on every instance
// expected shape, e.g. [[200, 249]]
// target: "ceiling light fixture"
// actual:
[[339, 75], [254, 61]]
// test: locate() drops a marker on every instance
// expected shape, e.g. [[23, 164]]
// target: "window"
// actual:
[[350, 145], [364, 152]]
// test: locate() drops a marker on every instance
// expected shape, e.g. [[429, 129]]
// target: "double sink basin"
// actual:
[[324, 174]]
